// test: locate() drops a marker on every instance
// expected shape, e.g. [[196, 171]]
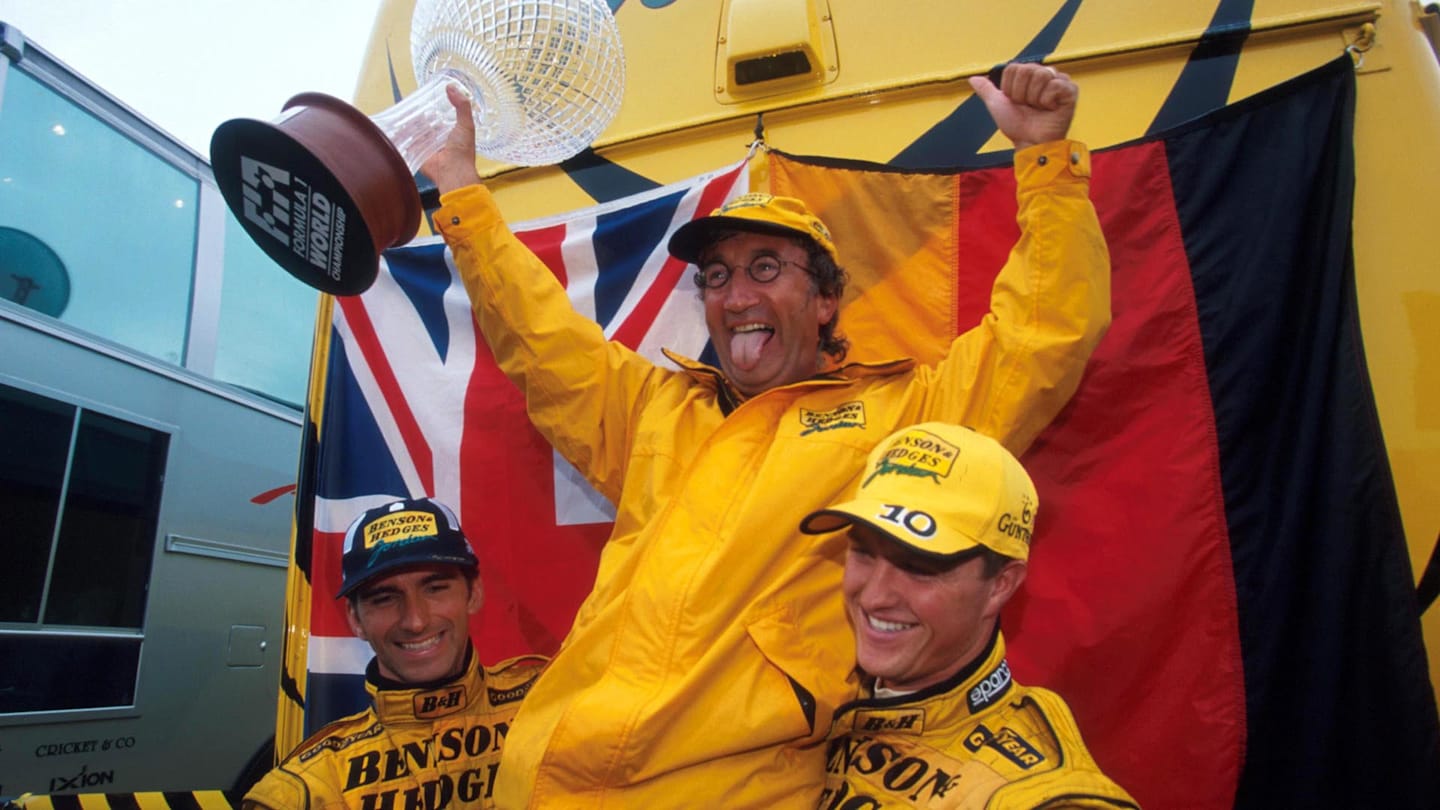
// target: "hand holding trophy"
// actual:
[[323, 189]]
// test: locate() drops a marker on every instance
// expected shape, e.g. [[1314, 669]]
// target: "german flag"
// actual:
[[1220, 584]]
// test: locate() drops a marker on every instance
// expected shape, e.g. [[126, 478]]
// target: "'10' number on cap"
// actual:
[[915, 521]]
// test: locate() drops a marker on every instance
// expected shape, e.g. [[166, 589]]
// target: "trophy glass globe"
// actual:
[[324, 189]]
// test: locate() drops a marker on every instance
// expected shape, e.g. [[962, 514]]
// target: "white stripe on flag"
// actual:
[[576, 502], [334, 515], [338, 655]]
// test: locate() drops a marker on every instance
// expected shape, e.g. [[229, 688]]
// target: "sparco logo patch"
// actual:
[[991, 688], [429, 705], [916, 453], [849, 415]]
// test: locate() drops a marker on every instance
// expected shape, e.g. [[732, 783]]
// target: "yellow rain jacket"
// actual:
[[704, 668]]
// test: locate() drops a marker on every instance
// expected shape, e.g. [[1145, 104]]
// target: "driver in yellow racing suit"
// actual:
[[939, 539], [432, 736]]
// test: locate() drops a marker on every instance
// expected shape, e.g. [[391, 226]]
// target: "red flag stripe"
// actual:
[[369, 344]]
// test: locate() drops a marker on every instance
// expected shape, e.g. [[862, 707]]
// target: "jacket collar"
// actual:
[[714, 379]]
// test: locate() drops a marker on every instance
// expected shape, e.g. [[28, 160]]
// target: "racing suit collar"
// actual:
[[983, 682], [396, 703]]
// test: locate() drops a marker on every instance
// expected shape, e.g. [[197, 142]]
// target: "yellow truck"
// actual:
[[1323, 470], [1241, 499]]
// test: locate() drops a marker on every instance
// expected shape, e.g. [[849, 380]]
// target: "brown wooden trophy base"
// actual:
[[320, 189]]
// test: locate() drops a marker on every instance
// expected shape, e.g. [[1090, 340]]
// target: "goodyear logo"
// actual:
[[339, 743], [501, 696], [848, 415], [916, 453], [1008, 742]]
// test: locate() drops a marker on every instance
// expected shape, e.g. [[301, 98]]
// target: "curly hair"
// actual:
[[827, 278]]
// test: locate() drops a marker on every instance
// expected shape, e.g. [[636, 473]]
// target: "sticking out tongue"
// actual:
[[745, 347]]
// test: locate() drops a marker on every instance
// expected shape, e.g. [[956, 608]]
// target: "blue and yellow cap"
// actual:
[[414, 531]]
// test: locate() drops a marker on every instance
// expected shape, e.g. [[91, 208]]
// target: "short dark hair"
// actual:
[[830, 280], [827, 278], [994, 562]]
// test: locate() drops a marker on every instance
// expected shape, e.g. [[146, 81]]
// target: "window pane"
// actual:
[[50, 673], [107, 531], [119, 219], [267, 322], [34, 442]]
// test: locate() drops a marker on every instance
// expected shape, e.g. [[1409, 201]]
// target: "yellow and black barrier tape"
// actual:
[[156, 800]]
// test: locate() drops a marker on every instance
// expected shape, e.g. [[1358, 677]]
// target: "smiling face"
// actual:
[[417, 620], [918, 621], [765, 334]]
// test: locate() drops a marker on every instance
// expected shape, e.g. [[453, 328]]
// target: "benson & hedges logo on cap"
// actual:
[[397, 529], [940, 489], [915, 453]]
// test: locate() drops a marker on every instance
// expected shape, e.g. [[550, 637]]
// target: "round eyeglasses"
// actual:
[[762, 270]]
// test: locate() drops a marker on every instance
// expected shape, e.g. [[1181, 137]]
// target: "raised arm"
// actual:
[[579, 387], [1009, 376], [454, 165], [1034, 103]]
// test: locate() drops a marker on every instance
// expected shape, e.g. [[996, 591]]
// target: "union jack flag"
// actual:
[[414, 405]]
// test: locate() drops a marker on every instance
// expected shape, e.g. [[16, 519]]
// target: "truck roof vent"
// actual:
[[769, 68], [769, 47]]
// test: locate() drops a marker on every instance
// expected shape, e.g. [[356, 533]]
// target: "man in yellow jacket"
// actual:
[[939, 535], [704, 668]]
